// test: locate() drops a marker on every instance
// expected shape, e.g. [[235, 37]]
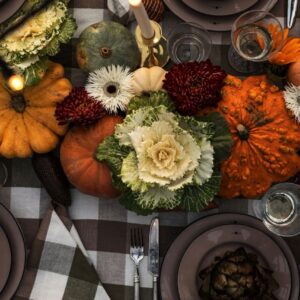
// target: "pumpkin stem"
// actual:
[[105, 52], [242, 132], [18, 103]]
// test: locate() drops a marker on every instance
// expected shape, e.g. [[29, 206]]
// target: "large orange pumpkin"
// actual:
[[27, 121], [266, 137], [77, 154]]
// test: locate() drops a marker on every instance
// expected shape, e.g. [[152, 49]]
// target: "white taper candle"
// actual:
[[142, 18]]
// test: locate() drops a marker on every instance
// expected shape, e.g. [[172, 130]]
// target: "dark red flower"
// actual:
[[79, 108], [194, 85]]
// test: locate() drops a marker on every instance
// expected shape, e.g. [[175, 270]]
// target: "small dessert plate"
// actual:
[[216, 242]]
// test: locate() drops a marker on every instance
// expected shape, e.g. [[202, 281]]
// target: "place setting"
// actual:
[[146, 158]]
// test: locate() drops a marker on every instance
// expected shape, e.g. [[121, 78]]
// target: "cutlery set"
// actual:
[[137, 254]]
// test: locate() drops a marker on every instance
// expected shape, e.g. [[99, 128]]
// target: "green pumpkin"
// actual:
[[107, 43]]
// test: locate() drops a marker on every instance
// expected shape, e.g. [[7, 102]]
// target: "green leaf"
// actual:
[[221, 140], [110, 152], [35, 72], [153, 99], [63, 35], [197, 128], [196, 197], [129, 200], [159, 197]]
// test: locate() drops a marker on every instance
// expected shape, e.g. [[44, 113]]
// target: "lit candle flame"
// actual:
[[16, 83]]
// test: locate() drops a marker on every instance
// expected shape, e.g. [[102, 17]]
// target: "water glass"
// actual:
[[257, 35], [279, 209], [189, 42]]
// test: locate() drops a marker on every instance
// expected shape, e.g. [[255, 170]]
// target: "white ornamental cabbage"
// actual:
[[164, 157], [160, 159]]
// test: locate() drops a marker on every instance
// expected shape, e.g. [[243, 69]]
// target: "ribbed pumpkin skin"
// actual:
[[107, 43], [77, 155], [266, 137], [27, 121], [148, 79]]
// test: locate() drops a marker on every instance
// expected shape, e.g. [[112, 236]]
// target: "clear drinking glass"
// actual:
[[189, 42], [279, 209], [255, 36]]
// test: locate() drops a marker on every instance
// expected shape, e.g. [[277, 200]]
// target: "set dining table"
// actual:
[[103, 224]]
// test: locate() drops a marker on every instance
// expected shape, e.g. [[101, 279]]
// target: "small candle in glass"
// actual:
[[280, 208]]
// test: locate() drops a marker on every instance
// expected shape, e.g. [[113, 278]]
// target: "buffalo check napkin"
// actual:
[[58, 266]]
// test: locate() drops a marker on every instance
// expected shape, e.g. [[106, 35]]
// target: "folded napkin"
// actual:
[[58, 266]]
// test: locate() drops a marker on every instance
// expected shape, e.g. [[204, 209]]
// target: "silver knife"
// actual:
[[291, 12], [153, 254]]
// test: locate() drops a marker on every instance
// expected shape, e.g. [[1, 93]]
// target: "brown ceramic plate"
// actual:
[[219, 8], [17, 247], [5, 259], [172, 260], [216, 242], [214, 23], [8, 8]]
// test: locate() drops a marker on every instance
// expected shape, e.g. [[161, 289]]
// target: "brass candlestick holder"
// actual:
[[153, 51]]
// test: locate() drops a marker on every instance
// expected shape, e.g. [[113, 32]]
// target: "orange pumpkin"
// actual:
[[266, 137], [77, 154], [27, 121]]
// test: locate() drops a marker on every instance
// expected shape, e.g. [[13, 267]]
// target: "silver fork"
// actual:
[[136, 254]]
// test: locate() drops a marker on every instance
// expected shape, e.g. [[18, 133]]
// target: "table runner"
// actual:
[[104, 225]]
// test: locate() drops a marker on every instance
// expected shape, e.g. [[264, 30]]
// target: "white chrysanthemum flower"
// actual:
[[112, 86], [292, 99]]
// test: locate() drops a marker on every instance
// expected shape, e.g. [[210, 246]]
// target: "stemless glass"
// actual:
[[279, 209], [189, 42], [255, 36]]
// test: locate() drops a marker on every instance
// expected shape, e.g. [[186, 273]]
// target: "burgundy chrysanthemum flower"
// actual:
[[79, 108], [194, 85]]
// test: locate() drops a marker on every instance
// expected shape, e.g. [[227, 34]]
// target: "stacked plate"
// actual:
[[12, 254], [197, 246], [216, 15], [8, 8]]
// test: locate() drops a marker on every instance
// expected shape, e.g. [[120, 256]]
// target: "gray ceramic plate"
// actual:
[[218, 7], [5, 259], [171, 263], [8, 8], [214, 23], [17, 246], [216, 242]]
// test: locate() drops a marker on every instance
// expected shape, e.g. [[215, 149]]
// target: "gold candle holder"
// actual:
[[153, 51]]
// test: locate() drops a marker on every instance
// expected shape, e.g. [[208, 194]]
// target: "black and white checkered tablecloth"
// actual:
[[104, 225]]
